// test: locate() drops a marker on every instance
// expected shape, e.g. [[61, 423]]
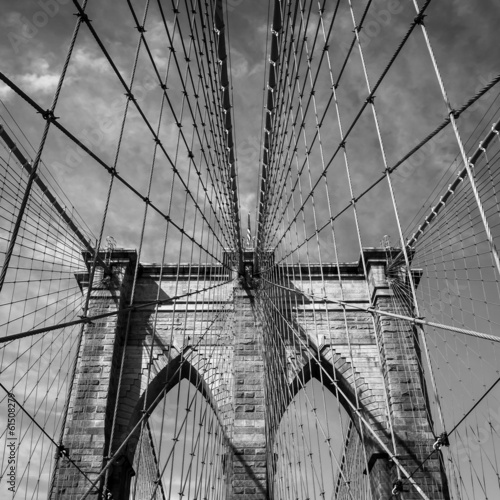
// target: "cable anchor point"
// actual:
[[83, 17], [397, 487], [441, 441], [420, 19], [63, 451], [49, 115]]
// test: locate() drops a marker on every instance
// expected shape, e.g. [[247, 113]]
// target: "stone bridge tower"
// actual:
[[374, 369]]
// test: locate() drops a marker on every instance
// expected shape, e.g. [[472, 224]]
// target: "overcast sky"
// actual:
[[33, 44], [34, 36]]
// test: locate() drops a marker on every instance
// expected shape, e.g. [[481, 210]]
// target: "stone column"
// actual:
[[408, 403], [88, 426], [249, 479]]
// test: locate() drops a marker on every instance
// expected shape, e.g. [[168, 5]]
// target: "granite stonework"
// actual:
[[376, 363]]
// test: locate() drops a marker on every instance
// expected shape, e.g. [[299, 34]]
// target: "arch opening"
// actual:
[[182, 448], [309, 448]]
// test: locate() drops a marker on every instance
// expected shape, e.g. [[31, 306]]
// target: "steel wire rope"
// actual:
[[304, 45], [458, 182], [376, 327], [278, 361], [302, 124], [163, 85], [145, 415], [309, 350], [262, 131], [290, 327], [178, 431], [418, 216], [207, 100], [50, 118], [296, 299], [391, 169], [35, 194], [161, 275], [452, 117], [20, 354], [309, 58], [27, 395], [200, 256], [300, 459], [278, 104], [141, 41], [303, 114], [115, 175], [295, 425], [89, 319], [455, 427], [400, 162], [334, 86], [220, 84], [181, 493], [43, 192], [130, 97], [363, 420], [184, 333], [279, 393], [292, 430], [48, 413], [370, 103], [450, 460], [269, 144], [74, 464], [41, 174]]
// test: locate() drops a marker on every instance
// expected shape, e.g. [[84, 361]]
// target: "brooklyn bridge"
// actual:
[[249, 250]]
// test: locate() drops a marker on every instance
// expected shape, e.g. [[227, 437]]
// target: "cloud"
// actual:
[[38, 77], [5, 91], [35, 83], [10, 19], [85, 59]]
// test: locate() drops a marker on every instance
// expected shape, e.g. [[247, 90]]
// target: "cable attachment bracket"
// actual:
[[441, 441], [397, 487], [48, 115], [86, 320], [62, 451], [84, 18], [420, 19]]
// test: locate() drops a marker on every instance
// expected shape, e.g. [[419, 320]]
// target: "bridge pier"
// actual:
[[92, 400], [408, 402], [376, 364], [249, 479]]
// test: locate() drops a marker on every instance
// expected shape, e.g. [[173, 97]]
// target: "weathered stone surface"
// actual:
[[376, 361]]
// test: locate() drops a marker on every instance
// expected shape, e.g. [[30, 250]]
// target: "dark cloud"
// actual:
[[409, 104]]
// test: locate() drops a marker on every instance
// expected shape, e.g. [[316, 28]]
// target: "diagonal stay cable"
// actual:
[[50, 197], [101, 162], [62, 450], [464, 417], [422, 143], [89, 319], [146, 414], [208, 161], [368, 100], [50, 118], [410, 319], [131, 97]]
